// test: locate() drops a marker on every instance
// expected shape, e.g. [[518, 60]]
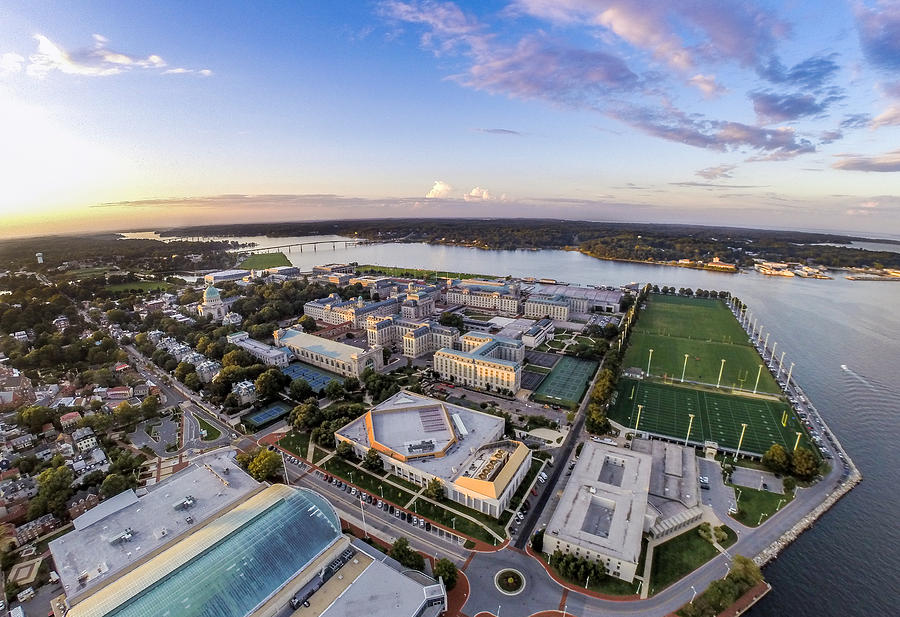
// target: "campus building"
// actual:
[[418, 301], [554, 307], [601, 514], [333, 310], [417, 338], [212, 305], [184, 549], [225, 275], [485, 362], [420, 438], [487, 295], [268, 355], [541, 331], [333, 356], [578, 299]]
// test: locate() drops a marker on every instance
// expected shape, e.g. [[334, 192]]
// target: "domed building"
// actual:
[[212, 305]]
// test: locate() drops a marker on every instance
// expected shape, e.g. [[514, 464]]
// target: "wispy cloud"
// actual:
[[887, 162], [879, 32], [856, 121], [889, 117], [829, 137], [708, 85], [714, 173], [11, 62], [773, 107], [812, 73], [98, 60], [499, 131]]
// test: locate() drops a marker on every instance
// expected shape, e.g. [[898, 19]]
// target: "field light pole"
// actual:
[[797, 442], [740, 441], [721, 368], [790, 370], [684, 368], [781, 363], [758, 373], [638, 421], [766, 344], [650, 359], [690, 424]]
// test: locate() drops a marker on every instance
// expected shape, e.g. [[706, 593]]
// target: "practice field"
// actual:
[[717, 417], [259, 261], [316, 378], [708, 333], [566, 383], [267, 414]]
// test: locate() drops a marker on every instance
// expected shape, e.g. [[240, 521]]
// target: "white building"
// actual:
[[580, 299], [541, 331], [333, 310], [84, 439], [207, 370], [486, 295], [554, 307], [418, 301], [420, 438], [417, 338], [268, 355], [333, 356], [212, 305], [225, 275], [245, 391], [485, 362]]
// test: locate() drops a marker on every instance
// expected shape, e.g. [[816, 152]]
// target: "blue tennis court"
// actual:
[[316, 378], [267, 414]]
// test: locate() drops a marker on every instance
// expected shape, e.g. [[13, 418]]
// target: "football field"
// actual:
[[692, 336], [717, 417]]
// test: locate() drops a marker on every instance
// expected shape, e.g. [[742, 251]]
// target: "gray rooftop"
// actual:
[[482, 429], [604, 504], [574, 291], [152, 519]]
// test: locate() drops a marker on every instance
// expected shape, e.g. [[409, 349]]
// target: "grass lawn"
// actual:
[[319, 453], [445, 518], [141, 285], [398, 480], [479, 316], [212, 433], [366, 481], [296, 443], [555, 344], [609, 585], [754, 503], [732, 537], [43, 544], [483, 518], [718, 417], [261, 261], [678, 557]]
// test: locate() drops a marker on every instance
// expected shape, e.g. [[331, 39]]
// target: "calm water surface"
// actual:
[[849, 563]]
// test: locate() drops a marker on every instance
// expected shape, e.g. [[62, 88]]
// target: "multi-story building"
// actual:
[[15, 387], [485, 362], [245, 391], [486, 295], [333, 310], [225, 275], [420, 438], [418, 301], [207, 370], [333, 356], [69, 421], [541, 331], [579, 299], [268, 355], [329, 268], [84, 439], [417, 338], [35, 529], [554, 307], [212, 305], [82, 501]]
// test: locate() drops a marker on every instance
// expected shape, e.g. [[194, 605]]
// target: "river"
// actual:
[[849, 563]]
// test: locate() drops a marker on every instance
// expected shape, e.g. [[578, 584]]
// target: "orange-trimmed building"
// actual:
[[421, 438]]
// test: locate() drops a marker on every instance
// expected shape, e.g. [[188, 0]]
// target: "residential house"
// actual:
[[84, 439], [69, 421], [82, 501]]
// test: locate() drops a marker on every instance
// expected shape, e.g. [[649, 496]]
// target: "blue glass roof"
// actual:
[[247, 566]]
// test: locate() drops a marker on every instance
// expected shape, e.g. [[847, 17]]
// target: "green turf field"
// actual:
[[566, 383], [717, 416], [673, 326], [260, 261]]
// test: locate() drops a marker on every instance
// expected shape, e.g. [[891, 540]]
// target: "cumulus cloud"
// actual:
[[96, 61], [11, 63], [773, 107], [889, 117], [478, 194], [887, 162], [440, 190], [707, 85], [714, 173], [879, 32]]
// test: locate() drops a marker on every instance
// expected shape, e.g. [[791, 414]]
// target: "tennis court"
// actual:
[[267, 414], [531, 379], [316, 378], [566, 383], [717, 417], [540, 358]]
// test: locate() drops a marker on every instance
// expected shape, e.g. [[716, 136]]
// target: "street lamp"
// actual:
[[693, 594], [453, 523], [736, 501], [778, 507], [759, 522], [381, 488]]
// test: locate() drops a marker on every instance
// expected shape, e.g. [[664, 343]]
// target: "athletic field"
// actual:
[[707, 332], [566, 383], [717, 417]]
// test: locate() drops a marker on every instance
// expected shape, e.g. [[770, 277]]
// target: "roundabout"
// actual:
[[509, 581]]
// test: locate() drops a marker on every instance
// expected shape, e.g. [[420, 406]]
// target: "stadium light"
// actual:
[[758, 373], [740, 441], [797, 443], [690, 424], [721, 368], [766, 344], [684, 368], [790, 370], [638, 421], [648, 362], [781, 363], [772, 355]]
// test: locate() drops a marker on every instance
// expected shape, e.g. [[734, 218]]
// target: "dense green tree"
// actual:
[[446, 569], [454, 320], [300, 389], [125, 414], [306, 416], [344, 449], [402, 552], [269, 384], [113, 484], [307, 323], [264, 465], [804, 464], [372, 460], [149, 406], [777, 459], [434, 489], [192, 381], [237, 357], [334, 390], [54, 489]]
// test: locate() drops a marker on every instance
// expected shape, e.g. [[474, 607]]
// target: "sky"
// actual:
[[125, 115]]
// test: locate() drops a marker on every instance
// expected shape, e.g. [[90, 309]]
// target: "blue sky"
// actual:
[[120, 115]]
